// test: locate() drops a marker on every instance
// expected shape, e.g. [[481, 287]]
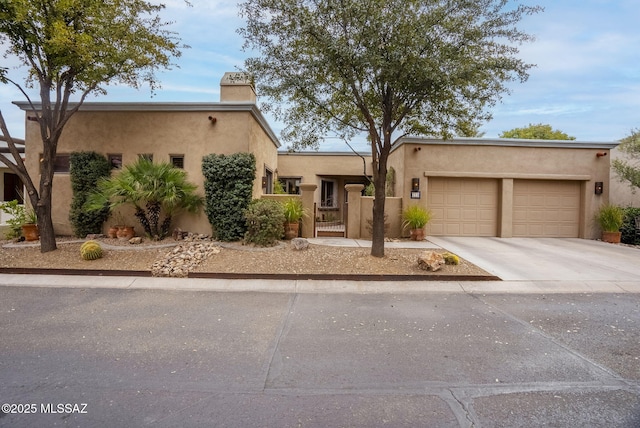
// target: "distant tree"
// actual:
[[629, 170], [537, 132], [469, 130], [75, 47], [382, 67]]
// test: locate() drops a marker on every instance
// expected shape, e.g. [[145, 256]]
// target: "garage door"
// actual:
[[546, 208], [463, 207]]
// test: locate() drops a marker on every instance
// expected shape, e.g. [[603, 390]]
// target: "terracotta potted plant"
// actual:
[[610, 218], [415, 218], [30, 226], [293, 213]]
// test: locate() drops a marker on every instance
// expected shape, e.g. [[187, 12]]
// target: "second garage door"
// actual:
[[546, 208], [463, 207]]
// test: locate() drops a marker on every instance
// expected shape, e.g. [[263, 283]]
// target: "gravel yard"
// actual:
[[232, 258]]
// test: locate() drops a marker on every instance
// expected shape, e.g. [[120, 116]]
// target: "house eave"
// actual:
[[170, 107], [507, 142]]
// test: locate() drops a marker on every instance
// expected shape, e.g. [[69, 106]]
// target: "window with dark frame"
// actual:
[[328, 194], [177, 161], [115, 160], [60, 164], [290, 185]]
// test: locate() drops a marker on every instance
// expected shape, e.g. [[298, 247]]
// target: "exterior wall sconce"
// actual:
[[601, 154], [264, 182], [415, 184], [599, 187], [415, 188], [213, 120]]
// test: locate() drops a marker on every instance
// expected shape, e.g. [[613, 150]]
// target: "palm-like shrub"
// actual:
[[153, 189]]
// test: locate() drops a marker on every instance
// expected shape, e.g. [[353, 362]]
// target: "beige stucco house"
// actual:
[[474, 187], [181, 133]]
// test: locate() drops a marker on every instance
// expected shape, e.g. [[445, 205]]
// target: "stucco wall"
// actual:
[[422, 160], [343, 168], [130, 131]]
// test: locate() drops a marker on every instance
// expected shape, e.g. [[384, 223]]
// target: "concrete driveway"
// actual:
[[547, 259]]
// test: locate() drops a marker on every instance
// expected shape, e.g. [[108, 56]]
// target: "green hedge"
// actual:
[[265, 222], [628, 228], [228, 190], [86, 169]]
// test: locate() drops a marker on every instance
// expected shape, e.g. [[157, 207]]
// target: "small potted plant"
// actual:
[[30, 225], [415, 218], [293, 213], [610, 218]]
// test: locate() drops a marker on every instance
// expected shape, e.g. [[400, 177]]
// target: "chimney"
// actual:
[[237, 86]]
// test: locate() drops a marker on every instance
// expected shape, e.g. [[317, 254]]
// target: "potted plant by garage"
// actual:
[[610, 218], [30, 226], [415, 218], [293, 213]]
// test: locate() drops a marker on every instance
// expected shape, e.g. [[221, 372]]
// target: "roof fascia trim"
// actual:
[[507, 142], [169, 107]]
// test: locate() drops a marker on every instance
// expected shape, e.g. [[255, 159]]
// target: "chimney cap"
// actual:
[[237, 78]]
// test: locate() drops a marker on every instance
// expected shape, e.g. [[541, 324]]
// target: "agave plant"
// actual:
[[153, 189]]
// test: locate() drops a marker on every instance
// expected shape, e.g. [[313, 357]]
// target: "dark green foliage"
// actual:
[[86, 169], [265, 222], [628, 229], [228, 189]]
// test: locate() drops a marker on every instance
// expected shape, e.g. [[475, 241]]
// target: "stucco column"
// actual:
[[506, 210], [354, 197], [308, 191]]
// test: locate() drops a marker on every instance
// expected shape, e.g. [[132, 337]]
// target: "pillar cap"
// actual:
[[354, 187]]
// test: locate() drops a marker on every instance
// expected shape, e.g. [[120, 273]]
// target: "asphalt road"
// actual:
[[195, 358]]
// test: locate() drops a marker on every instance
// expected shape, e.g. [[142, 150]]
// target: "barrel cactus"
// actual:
[[91, 250], [451, 259]]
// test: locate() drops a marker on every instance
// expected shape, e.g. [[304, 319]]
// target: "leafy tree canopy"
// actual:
[[536, 132], [75, 47], [382, 67], [629, 169]]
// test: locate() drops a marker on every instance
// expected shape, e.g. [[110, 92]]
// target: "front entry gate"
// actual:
[[330, 223]]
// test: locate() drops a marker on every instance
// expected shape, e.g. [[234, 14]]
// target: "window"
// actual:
[[147, 156], [290, 185], [115, 160], [60, 164], [328, 194], [268, 175], [177, 161]]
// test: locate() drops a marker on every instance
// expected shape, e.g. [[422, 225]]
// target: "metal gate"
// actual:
[[328, 226]]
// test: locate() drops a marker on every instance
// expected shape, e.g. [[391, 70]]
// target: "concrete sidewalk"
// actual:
[[525, 265]]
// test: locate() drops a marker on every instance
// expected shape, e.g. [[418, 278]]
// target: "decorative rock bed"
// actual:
[[184, 257]]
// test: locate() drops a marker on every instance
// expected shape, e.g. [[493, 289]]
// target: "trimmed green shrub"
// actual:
[[228, 190], [265, 222], [86, 169], [18, 215], [628, 229], [91, 250]]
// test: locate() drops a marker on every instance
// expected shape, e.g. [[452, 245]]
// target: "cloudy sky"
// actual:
[[586, 83]]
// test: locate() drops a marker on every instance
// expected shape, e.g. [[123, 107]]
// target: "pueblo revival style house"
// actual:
[[474, 187]]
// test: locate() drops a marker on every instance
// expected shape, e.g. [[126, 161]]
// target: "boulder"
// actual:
[[299, 244], [430, 260], [135, 241]]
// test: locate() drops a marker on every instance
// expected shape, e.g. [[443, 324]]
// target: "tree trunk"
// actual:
[[379, 181], [45, 227]]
